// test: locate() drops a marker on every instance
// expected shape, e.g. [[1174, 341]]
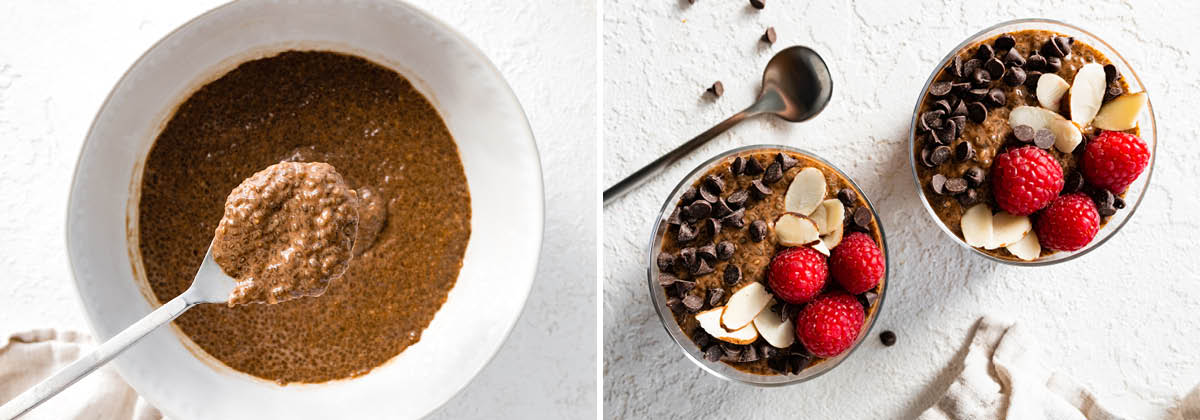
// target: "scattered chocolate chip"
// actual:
[[981, 78], [714, 296], [732, 275], [674, 219], [708, 196], [675, 304], [717, 89], [1051, 49], [737, 200], [666, 261], [701, 338], [969, 198], [689, 196], [702, 268], [714, 227], [767, 351], [1014, 59], [753, 168], [708, 252], [964, 151], [985, 52], [1113, 91], [1103, 197], [940, 155], [1119, 202], [1110, 74], [682, 287], [688, 257], [699, 210], [758, 230], [960, 110], [975, 176], [938, 184], [970, 66], [720, 209], [666, 279], [931, 120], [1043, 138], [1024, 133], [774, 173], [888, 338], [1064, 44], [1035, 62], [955, 66], [1106, 210], [995, 68], [786, 161], [946, 134], [959, 87], [1004, 42], [748, 355], [693, 303], [1053, 65], [738, 166], [925, 158], [976, 112], [725, 250], [940, 89], [976, 95], [759, 190], [1015, 77], [714, 183], [1073, 183], [713, 354], [996, 97], [960, 123], [956, 185], [1031, 79], [869, 299], [862, 217], [686, 233], [942, 105], [758, 4], [768, 36], [735, 220], [848, 196]]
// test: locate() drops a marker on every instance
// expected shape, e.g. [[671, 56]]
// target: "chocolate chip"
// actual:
[[702, 268], [786, 161], [848, 196], [1031, 79], [964, 151], [735, 220], [995, 68], [759, 190], [758, 231], [666, 279], [714, 183], [955, 66], [753, 168], [888, 338], [970, 66], [708, 252], [767, 351], [738, 166], [688, 257], [1015, 77], [942, 105], [1119, 202], [1110, 74], [682, 287], [1004, 42], [925, 157], [956, 185], [1035, 62], [985, 52], [731, 351], [1064, 44], [1053, 65], [940, 89], [714, 227], [707, 195], [1106, 210], [774, 173], [976, 95], [931, 120], [870, 298], [940, 155], [1043, 138], [959, 87], [1073, 184], [768, 36], [666, 261], [938, 184], [996, 97], [686, 233], [960, 124], [714, 296], [725, 250], [713, 354], [1024, 133], [960, 110], [1113, 91], [737, 200], [749, 355], [732, 275], [758, 4], [981, 78], [862, 217], [693, 303], [699, 210], [689, 196], [1014, 59], [674, 219], [946, 134], [716, 90], [721, 209], [701, 338], [675, 304], [1104, 200], [977, 112], [1052, 49], [975, 176], [969, 198]]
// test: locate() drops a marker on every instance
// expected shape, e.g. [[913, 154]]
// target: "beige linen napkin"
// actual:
[[30, 356], [1002, 378]]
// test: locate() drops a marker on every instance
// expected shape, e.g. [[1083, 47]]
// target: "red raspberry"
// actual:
[[798, 274], [829, 325], [1026, 179], [1114, 159], [1069, 223], [856, 263]]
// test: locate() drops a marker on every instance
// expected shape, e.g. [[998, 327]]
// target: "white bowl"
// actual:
[[498, 154]]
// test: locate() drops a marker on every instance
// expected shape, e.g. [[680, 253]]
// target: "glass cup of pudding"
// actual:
[[1026, 91], [717, 240]]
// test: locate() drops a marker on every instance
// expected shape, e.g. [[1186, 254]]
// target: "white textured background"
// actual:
[[1121, 320], [58, 60]]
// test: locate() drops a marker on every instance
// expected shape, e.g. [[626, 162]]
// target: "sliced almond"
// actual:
[[1050, 90], [1120, 113], [1008, 228], [1028, 248], [805, 192], [1086, 93], [820, 247], [977, 225], [1066, 135], [777, 331], [792, 229], [710, 321], [1038, 118], [835, 212], [820, 217], [744, 306], [833, 238]]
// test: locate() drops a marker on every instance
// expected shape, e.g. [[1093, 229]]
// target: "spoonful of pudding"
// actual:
[[288, 231]]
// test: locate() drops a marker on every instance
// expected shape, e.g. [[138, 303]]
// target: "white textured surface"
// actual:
[[1121, 320], [58, 61]]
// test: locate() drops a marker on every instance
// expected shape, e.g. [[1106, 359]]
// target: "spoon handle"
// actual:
[[78, 369], [658, 165]]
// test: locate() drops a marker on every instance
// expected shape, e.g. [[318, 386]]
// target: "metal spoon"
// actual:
[[796, 86], [211, 285]]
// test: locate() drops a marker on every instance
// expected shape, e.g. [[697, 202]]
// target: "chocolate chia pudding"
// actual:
[[1008, 126], [755, 246], [388, 144], [287, 231]]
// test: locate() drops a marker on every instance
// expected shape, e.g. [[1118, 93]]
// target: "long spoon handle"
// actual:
[[658, 165], [78, 369]]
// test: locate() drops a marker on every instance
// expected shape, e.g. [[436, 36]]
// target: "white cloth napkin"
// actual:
[[1002, 378], [30, 356]]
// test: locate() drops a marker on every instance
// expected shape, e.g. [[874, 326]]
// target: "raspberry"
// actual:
[[1026, 179], [856, 263], [1069, 223], [829, 325], [1114, 159], [798, 274]]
